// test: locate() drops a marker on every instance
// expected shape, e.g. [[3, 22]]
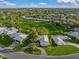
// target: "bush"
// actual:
[[73, 39], [31, 51]]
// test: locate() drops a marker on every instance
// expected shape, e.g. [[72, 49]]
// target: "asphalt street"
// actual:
[[21, 55]]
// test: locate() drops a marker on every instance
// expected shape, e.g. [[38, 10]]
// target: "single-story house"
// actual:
[[2, 30], [13, 33], [75, 29], [11, 30], [59, 39], [18, 36], [43, 40], [73, 34], [8, 31]]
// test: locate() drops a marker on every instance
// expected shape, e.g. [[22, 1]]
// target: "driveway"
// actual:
[[21, 55]]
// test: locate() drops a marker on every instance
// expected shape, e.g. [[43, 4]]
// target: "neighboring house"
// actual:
[[2, 30], [8, 31], [44, 41], [13, 33], [59, 39], [75, 29], [11, 30], [18, 36], [73, 34]]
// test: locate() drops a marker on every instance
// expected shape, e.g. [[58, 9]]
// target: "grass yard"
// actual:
[[61, 50], [20, 46], [5, 40], [1, 57]]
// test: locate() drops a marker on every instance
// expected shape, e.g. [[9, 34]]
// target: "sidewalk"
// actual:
[[43, 52]]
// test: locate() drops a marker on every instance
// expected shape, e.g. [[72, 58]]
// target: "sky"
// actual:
[[39, 3]]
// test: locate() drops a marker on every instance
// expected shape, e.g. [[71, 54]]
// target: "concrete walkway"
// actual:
[[43, 52]]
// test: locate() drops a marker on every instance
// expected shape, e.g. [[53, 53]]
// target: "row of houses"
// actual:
[[46, 17], [73, 34], [18, 37], [43, 39], [59, 39]]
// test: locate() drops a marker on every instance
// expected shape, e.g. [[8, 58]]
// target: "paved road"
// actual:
[[21, 55]]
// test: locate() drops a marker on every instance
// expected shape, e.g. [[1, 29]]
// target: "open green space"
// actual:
[[5, 40], [61, 50], [27, 25]]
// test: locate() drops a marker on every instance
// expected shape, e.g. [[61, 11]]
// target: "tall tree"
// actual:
[[34, 34]]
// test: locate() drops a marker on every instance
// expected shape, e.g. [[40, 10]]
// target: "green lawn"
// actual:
[[20, 46], [27, 25], [61, 50], [2, 57], [5, 40]]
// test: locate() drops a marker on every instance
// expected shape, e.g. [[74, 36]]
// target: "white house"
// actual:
[[75, 29], [8, 31], [44, 41], [18, 36], [58, 39], [11, 30], [2, 30], [73, 34], [13, 33]]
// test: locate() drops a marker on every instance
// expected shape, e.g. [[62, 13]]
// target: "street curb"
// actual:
[[54, 56]]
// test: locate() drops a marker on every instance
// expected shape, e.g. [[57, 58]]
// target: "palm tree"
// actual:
[[33, 46], [42, 31], [34, 35]]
